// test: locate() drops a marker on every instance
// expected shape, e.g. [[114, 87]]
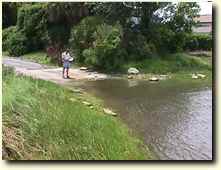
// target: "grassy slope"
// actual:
[[42, 120]]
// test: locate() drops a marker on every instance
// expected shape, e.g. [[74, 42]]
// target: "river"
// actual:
[[173, 117]]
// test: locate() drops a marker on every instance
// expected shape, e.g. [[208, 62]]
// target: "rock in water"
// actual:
[[201, 75], [83, 68], [87, 103], [109, 112], [73, 99], [77, 91], [163, 77], [132, 70], [153, 79], [129, 76], [194, 76]]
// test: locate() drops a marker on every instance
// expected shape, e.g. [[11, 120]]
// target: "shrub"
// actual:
[[198, 42], [106, 52], [15, 42], [191, 42], [204, 41], [163, 39], [166, 40], [5, 36], [139, 47], [82, 36]]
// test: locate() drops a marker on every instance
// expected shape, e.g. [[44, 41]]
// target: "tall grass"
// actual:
[[51, 123]]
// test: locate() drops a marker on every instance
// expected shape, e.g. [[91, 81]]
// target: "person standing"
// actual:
[[66, 59]]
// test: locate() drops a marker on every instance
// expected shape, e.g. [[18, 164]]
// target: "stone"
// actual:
[[91, 107], [83, 68], [109, 112], [77, 91], [153, 79], [194, 76], [73, 99], [130, 77], [163, 77], [87, 103], [201, 75], [132, 70]]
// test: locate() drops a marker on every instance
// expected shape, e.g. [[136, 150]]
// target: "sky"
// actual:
[[206, 7]]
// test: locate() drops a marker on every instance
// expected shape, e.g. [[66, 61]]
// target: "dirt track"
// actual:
[[53, 74]]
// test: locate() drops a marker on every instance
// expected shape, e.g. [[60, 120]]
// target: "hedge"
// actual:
[[198, 42]]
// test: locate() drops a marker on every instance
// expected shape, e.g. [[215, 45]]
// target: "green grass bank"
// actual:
[[172, 63], [44, 121]]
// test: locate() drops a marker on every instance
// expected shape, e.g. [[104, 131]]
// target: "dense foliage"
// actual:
[[199, 42], [32, 23], [144, 29], [82, 36], [105, 52], [5, 36], [14, 41]]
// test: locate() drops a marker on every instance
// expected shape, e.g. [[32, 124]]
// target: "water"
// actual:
[[173, 117]]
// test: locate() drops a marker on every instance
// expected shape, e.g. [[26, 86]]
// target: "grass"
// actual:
[[44, 121], [39, 57], [174, 63], [5, 53]]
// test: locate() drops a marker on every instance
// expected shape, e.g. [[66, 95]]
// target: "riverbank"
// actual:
[[171, 63], [179, 65], [44, 121]]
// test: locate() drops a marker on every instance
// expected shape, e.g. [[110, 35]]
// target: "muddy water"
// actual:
[[173, 117]]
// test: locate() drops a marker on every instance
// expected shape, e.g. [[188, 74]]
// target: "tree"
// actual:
[[182, 19], [9, 13], [31, 21], [61, 17]]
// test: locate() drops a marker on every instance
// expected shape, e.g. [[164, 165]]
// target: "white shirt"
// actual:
[[66, 56]]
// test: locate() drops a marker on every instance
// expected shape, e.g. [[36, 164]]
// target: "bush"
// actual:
[[32, 22], [205, 42], [82, 36], [168, 41], [5, 36], [106, 52], [198, 42], [139, 47], [16, 43]]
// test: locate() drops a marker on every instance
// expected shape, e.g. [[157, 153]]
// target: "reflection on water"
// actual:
[[175, 118]]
